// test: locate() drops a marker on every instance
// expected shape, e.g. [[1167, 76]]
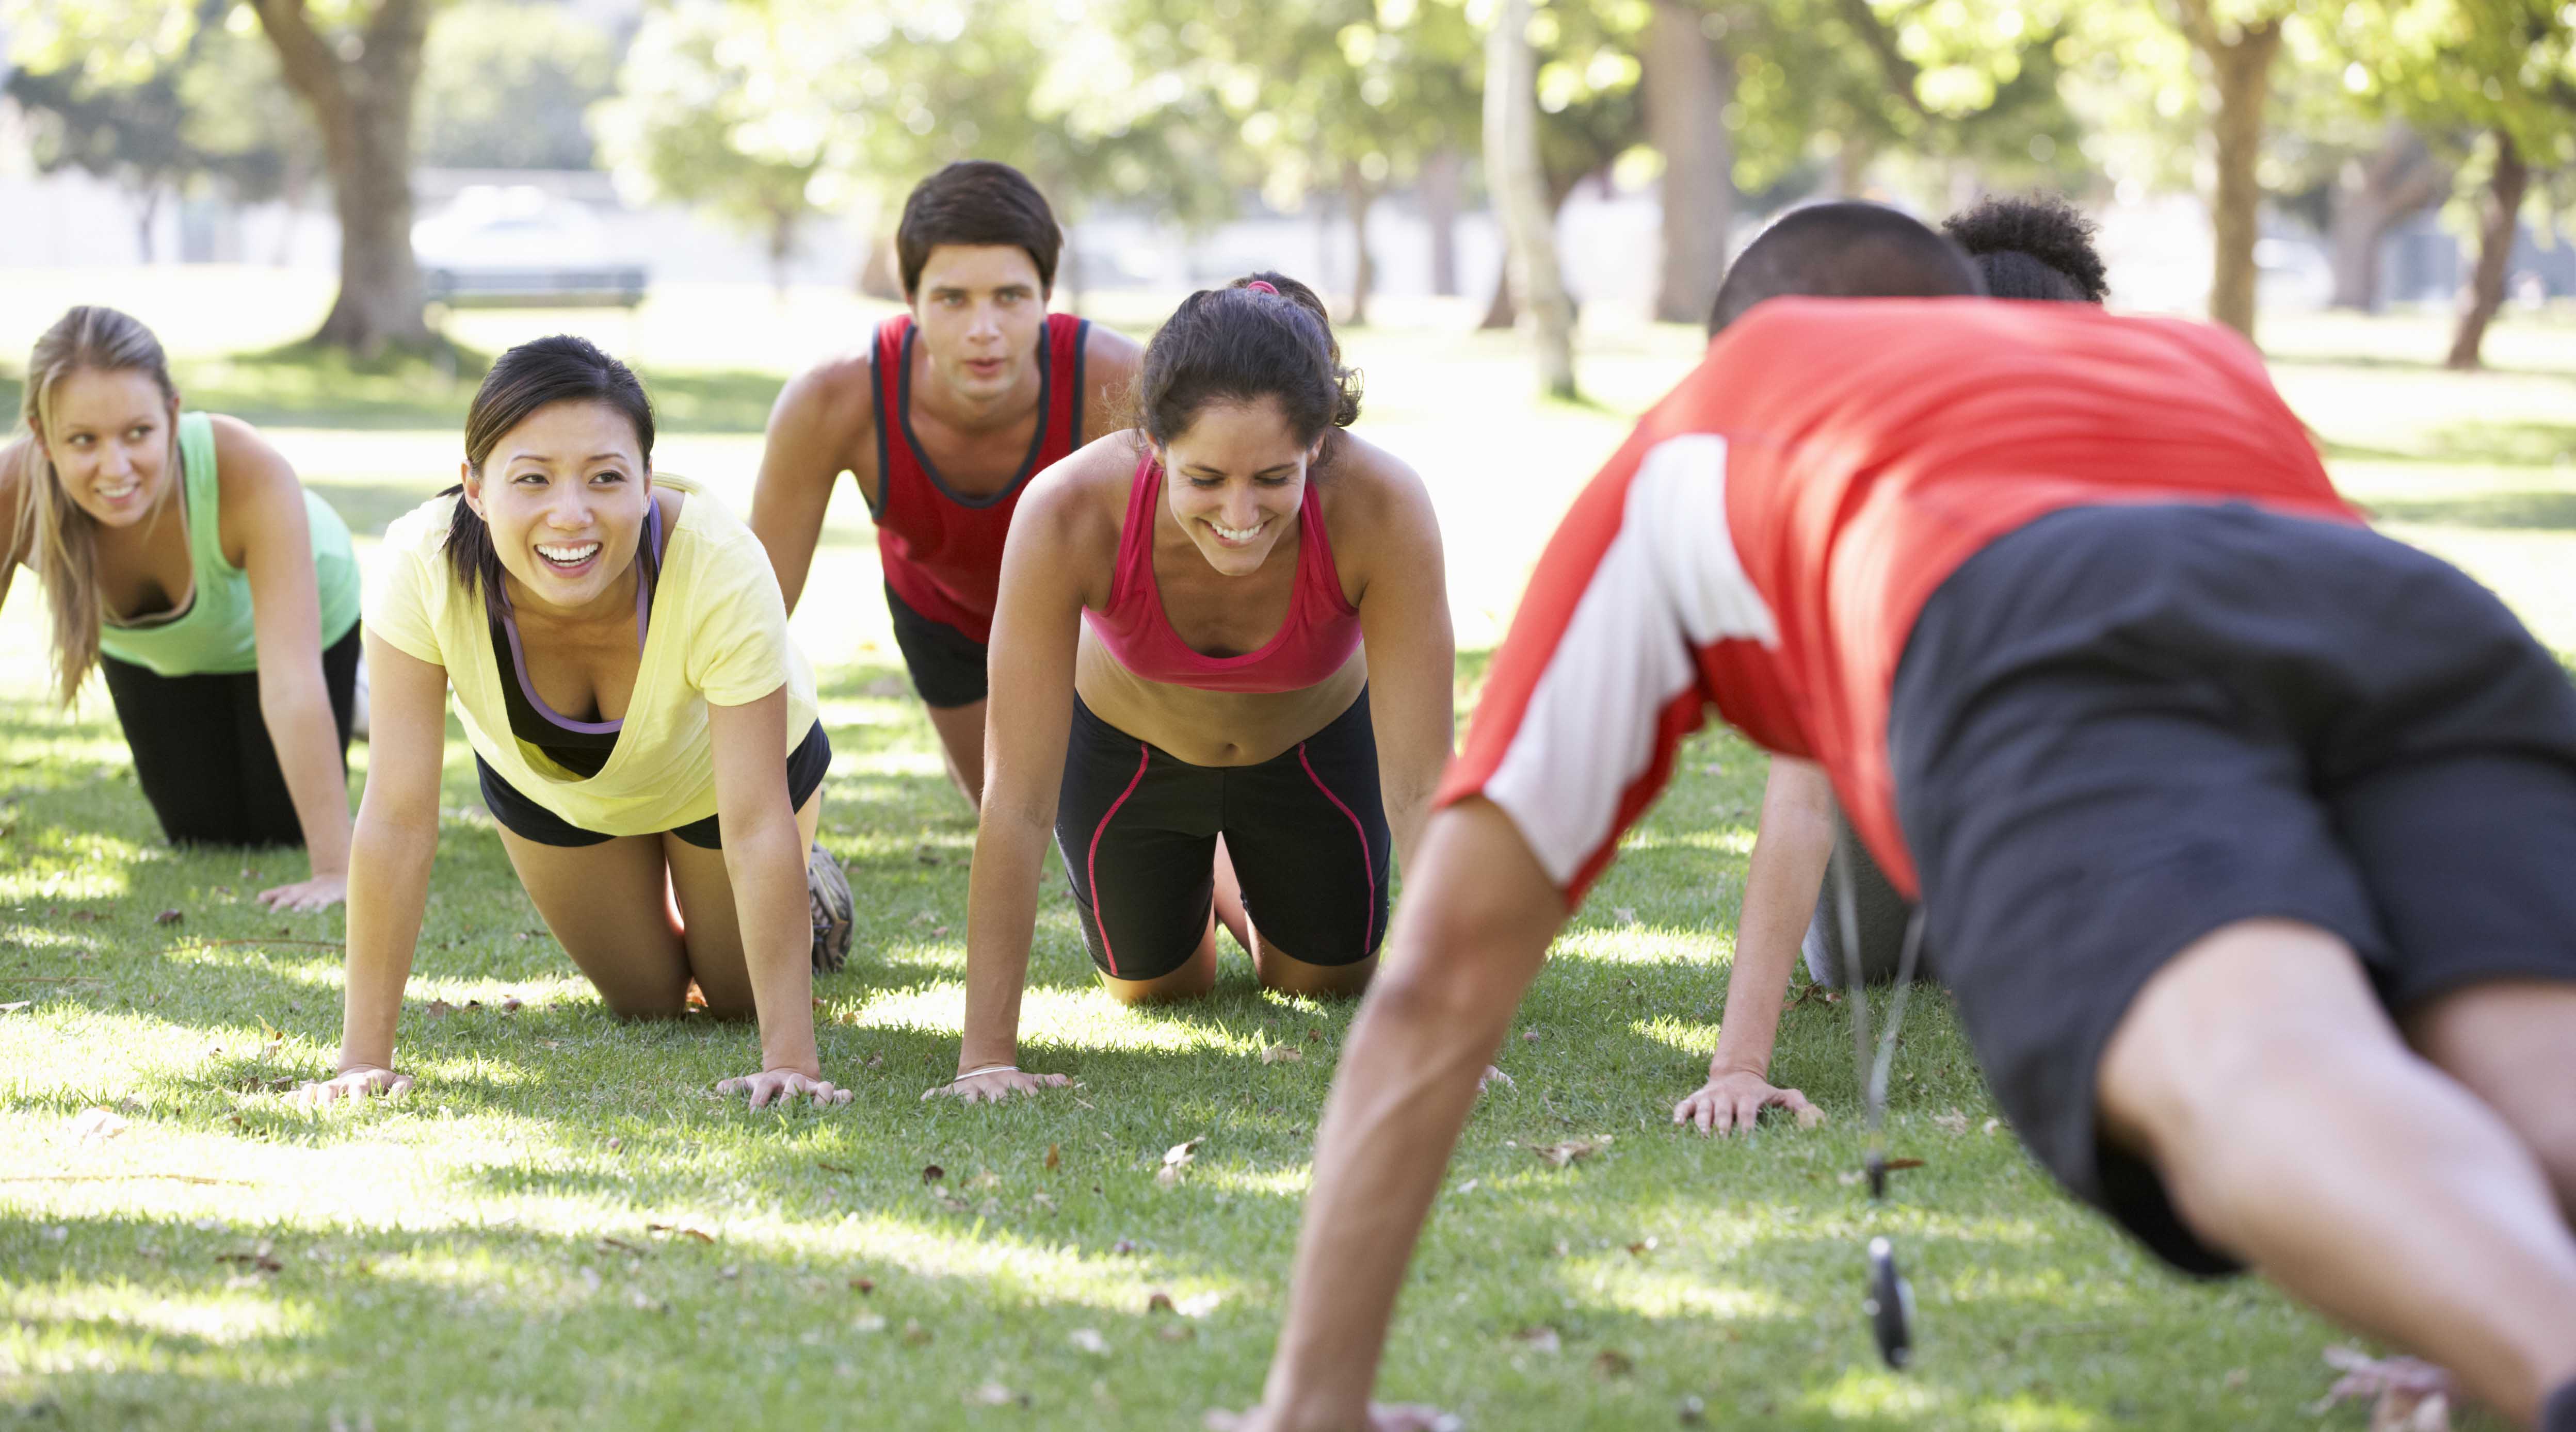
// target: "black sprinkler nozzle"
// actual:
[[1890, 1306]]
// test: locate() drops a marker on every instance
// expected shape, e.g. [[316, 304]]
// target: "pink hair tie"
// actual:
[[1262, 285]]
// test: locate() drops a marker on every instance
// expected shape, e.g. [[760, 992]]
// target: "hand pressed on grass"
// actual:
[[1733, 1099], [781, 1086], [353, 1083], [992, 1086], [319, 893]]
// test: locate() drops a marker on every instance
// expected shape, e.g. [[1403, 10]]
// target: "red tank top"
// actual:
[[942, 549], [1321, 632]]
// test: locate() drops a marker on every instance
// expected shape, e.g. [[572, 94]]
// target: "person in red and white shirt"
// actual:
[[2241, 832]]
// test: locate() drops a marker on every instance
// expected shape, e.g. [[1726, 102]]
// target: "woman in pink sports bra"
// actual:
[[1221, 669]]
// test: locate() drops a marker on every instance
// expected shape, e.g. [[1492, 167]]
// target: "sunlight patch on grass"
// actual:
[[1874, 1393], [1686, 1036], [1653, 1293], [1638, 945], [218, 1317]]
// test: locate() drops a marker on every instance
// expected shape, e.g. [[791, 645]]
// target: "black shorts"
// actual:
[[1305, 829], [202, 753], [528, 820], [2120, 728], [946, 664]]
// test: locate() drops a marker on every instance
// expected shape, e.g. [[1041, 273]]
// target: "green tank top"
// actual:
[[214, 636]]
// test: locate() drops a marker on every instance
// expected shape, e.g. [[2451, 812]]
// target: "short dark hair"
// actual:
[[976, 201], [1239, 344], [2032, 246], [543, 371], [1844, 249]]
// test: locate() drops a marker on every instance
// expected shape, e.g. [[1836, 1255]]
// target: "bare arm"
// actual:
[[1478, 915], [1790, 848], [1109, 362], [765, 861], [811, 429], [389, 862], [1036, 631], [1412, 655], [263, 510]]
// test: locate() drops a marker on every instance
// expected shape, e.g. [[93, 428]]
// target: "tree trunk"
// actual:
[[147, 207], [1442, 178], [2498, 224], [1519, 185], [1357, 196], [782, 249], [2242, 57], [360, 90], [2372, 194], [1686, 94], [1503, 310]]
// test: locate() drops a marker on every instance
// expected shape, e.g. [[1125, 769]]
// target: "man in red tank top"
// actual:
[[942, 420], [2242, 832]]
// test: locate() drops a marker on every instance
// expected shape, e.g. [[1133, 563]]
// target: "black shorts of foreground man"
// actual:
[[2244, 834]]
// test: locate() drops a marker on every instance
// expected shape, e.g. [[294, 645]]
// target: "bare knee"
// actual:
[[1289, 975]]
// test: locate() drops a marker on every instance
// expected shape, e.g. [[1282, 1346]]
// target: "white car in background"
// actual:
[[517, 246]]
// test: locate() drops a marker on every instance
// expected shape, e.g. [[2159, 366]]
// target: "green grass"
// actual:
[[486, 1255]]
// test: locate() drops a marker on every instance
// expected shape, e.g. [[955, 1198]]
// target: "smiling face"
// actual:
[[979, 307], [1234, 478], [110, 443], [564, 493]]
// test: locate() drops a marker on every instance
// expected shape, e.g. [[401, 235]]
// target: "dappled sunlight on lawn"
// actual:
[[208, 1318]]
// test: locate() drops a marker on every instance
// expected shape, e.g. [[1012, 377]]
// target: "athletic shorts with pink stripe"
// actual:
[[1138, 826]]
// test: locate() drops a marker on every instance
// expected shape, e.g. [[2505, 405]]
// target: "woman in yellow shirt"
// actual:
[[564, 576]]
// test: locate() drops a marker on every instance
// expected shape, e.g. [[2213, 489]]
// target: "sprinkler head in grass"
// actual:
[[1889, 1307], [1877, 1166]]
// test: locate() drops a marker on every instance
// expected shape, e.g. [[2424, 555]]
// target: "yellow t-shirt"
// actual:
[[718, 633]]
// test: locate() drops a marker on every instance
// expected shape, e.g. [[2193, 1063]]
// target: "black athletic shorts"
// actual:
[[528, 820], [947, 665], [1306, 830], [2118, 729], [202, 753]]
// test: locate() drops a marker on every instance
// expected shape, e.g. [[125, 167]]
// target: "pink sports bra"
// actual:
[[1321, 632]]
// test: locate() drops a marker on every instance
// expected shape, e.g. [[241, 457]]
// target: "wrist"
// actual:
[[1734, 1061]]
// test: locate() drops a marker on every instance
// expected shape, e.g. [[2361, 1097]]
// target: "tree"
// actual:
[[506, 86], [156, 130], [717, 106], [2373, 192], [353, 63], [1687, 85], [2239, 48], [1519, 187], [2500, 71]]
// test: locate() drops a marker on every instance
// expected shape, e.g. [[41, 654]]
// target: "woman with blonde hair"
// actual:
[[216, 596]]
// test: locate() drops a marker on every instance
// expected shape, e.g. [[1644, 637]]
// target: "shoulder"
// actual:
[[1367, 488], [833, 400], [1078, 503], [1108, 354], [246, 465], [423, 530]]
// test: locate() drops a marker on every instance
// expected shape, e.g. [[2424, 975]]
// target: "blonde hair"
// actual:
[[53, 535]]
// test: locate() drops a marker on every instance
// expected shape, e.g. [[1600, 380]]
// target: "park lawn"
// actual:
[[564, 1227]]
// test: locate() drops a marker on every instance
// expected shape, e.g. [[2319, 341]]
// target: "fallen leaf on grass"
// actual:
[[925, 855], [2410, 1395], [1282, 1054], [863, 1286], [994, 1394], [874, 1061], [932, 1173], [1540, 1339], [1642, 1247], [88, 917], [620, 1245], [260, 1258], [512, 1005], [1123, 1246], [440, 1009], [915, 1334], [1054, 1156], [97, 1123], [1158, 1301], [1492, 1077], [1177, 1158], [168, 917], [833, 1167], [681, 1230], [1953, 1122], [1901, 1165], [1314, 1036], [1610, 1362], [1560, 1155]]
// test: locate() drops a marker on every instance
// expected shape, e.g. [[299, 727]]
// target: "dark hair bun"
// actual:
[[2044, 226], [1265, 335]]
